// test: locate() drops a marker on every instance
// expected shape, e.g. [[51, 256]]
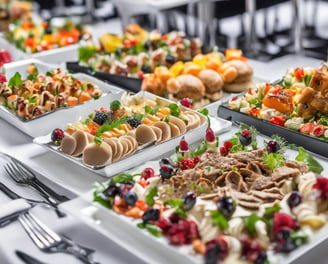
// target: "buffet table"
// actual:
[[74, 181]]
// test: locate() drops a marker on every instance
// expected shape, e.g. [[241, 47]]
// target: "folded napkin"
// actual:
[[12, 209]]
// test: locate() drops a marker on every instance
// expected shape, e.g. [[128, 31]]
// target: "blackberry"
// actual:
[[133, 122], [146, 68], [100, 118]]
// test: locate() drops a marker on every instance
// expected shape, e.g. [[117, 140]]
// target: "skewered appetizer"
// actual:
[[298, 102], [234, 205], [43, 93], [108, 135], [137, 52], [33, 36]]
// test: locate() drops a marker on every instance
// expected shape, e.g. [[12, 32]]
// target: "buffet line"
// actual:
[[145, 137]]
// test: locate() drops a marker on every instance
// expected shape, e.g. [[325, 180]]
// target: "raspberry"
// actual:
[[223, 151], [3, 78], [187, 164], [210, 136], [196, 159], [228, 145], [184, 145], [147, 173], [186, 102], [282, 221]]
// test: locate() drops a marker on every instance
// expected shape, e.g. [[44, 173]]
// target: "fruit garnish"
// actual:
[[322, 186], [228, 145], [133, 122], [282, 221], [187, 164], [226, 205], [210, 136], [166, 161], [57, 135], [186, 102], [224, 151], [166, 171], [3, 78], [245, 137], [294, 199], [284, 240], [183, 145], [112, 190], [151, 214], [272, 146], [100, 117], [147, 173], [130, 198], [189, 200], [216, 249], [252, 251]]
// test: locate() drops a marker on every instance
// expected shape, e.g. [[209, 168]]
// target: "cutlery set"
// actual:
[[18, 209]]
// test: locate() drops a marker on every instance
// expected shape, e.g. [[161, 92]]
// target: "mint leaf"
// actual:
[[250, 222], [299, 237], [123, 178], [305, 157], [99, 197], [174, 109], [150, 196], [199, 150], [270, 211], [152, 229], [15, 81], [174, 203], [219, 220]]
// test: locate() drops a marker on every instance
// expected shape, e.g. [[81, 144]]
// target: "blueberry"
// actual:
[[170, 59], [245, 137], [166, 171], [100, 118], [294, 199], [261, 258], [166, 161], [272, 146], [147, 45], [189, 200], [151, 214], [212, 254], [146, 68], [113, 190], [130, 198], [226, 205], [133, 122]]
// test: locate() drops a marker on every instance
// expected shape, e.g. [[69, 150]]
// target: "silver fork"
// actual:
[[15, 173], [25, 176], [50, 242]]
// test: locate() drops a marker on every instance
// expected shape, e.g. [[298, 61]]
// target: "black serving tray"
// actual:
[[126, 83], [312, 144]]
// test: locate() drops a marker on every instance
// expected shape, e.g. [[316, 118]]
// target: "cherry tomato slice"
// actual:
[[278, 120], [318, 130], [299, 73], [307, 128]]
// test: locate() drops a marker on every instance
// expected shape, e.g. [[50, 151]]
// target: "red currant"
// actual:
[[223, 151], [228, 145], [147, 173], [187, 164], [186, 102]]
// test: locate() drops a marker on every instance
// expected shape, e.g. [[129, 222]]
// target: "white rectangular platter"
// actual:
[[142, 155], [45, 123], [123, 230]]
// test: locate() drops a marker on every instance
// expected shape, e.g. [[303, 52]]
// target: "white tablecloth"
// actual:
[[77, 180]]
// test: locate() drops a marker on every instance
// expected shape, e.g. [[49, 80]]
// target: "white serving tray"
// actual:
[[145, 154], [44, 124], [123, 230], [57, 56]]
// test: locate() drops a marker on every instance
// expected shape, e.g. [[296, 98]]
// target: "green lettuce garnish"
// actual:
[[305, 157]]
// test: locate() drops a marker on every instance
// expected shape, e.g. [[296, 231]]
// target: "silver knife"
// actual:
[[26, 258]]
